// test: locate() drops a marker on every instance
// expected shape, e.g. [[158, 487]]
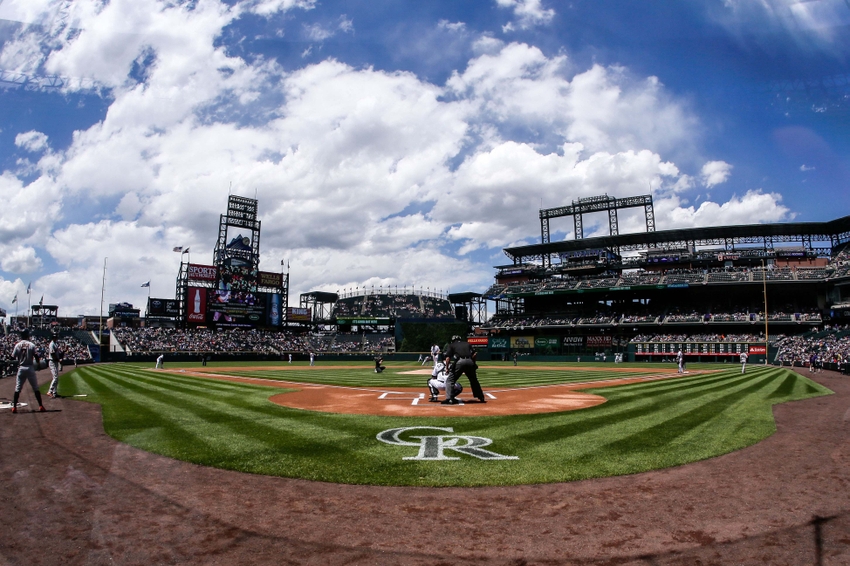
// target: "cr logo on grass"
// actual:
[[433, 446]]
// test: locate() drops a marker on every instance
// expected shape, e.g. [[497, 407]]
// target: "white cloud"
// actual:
[[32, 141], [362, 175], [753, 208], [529, 13], [319, 33], [714, 173], [805, 168], [451, 26], [603, 108], [19, 259]]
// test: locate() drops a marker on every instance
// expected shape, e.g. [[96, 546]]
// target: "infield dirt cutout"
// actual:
[[413, 401]]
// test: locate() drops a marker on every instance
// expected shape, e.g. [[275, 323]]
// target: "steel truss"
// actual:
[[602, 203]]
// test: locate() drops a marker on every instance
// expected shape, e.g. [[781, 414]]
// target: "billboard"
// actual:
[[163, 307], [196, 305], [238, 275], [269, 279], [522, 342], [574, 341], [235, 308], [297, 314], [202, 272], [759, 350], [478, 341], [273, 312], [546, 342], [599, 341]]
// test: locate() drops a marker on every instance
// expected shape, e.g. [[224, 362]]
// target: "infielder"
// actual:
[[27, 359]]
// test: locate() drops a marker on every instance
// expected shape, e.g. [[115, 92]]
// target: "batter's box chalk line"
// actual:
[[414, 397], [8, 404]]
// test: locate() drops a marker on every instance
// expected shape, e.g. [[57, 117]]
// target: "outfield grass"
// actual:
[[643, 426]]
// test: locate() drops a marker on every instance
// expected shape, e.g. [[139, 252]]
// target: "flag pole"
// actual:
[[100, 325]]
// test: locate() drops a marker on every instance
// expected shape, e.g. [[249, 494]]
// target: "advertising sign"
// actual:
[[196, 305], [163, 307], [269, 279], [202, 272], [297, 314], [273, 313], [545, 342], [478, 341], [499, 343], [573, 340], [522, 342], [759, 350], [235, 308], [599, 341]]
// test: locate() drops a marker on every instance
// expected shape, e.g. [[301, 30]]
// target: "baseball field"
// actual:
[[344, 423], [140, 466]]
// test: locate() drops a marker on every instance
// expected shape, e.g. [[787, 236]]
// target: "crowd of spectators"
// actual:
[[393, 305], [236, 341], [829, 346], [707, 337]]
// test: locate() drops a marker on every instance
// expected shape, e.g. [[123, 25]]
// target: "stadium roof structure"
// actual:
[[834, 232], [322, 296], [463, 297]]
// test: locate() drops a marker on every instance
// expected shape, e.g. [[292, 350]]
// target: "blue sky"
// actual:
[[398, 142]]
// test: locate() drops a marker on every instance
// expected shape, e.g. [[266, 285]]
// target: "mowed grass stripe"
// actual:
[[238, 421], [643, 426], [255, 436]]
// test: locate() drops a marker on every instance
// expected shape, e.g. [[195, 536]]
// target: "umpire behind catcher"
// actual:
[[460, 359]]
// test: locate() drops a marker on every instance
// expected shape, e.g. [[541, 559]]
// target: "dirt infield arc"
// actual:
[[408, 401]]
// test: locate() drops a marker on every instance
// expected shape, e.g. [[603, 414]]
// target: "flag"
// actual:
[[178, 249], [29, 287], [41, 302], [146, 284], [186, 251], [15, 300]]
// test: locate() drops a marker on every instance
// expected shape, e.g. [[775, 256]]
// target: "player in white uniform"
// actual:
[[437, 382], [55, 354], [680, 360], [744, 357], [27, 358]]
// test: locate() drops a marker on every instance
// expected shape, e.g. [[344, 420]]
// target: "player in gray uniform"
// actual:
[[55, 354], [27, 358]]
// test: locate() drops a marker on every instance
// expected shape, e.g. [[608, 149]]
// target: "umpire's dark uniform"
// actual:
[[459, 354]]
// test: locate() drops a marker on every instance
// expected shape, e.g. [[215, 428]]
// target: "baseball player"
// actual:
[[159, 361], [680, 360], [437, 382], [379, 367], [27, 358], [744, 357], [54, 352]]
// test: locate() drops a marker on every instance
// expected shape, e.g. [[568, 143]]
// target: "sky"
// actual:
[[397, 142]]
